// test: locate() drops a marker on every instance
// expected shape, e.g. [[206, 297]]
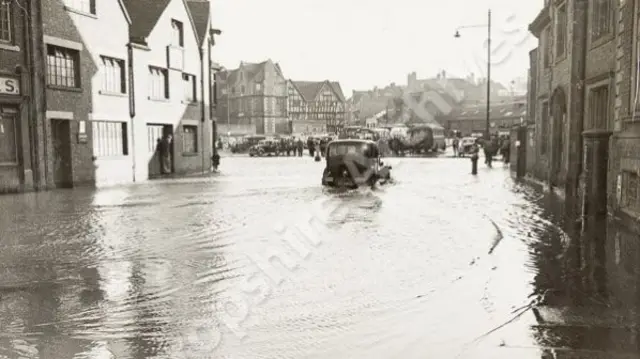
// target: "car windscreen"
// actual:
[[341, 149]]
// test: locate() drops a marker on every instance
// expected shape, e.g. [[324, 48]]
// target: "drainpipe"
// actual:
[[132, 108], [202, 105], [28, 59], [38, 81]]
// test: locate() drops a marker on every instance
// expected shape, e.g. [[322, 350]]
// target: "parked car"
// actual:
[[264, 148], [354, 163]]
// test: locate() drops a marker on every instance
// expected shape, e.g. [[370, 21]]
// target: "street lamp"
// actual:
[[488, 26]]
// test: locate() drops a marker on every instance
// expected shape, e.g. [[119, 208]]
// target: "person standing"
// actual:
[[300, 145], [455, 145], [311, 146], [165, 153]]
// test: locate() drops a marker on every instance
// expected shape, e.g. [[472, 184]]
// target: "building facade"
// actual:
[[322, 108], [87, 114], [21, 139], [470, 121], [581, 93], [623, 196], [574, 88], [252, 99], [170, 95]]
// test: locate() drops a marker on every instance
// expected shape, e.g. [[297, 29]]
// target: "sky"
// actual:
[[368, 43]]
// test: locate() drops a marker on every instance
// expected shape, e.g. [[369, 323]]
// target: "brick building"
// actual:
[[574, 87], [316, 106], [623, 197], [252, 99], [21, 150]]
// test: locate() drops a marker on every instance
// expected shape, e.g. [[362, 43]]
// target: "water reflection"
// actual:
[[576, 318]]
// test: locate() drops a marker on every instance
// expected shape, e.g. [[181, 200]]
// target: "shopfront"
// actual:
[[15, 156]]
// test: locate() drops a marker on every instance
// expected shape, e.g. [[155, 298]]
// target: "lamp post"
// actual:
[[488, 26]]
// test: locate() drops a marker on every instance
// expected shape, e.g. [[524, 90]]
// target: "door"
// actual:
[[8, 136], [155, 134], [61, 143]]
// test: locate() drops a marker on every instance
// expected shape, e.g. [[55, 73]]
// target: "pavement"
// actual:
[[259, 261]]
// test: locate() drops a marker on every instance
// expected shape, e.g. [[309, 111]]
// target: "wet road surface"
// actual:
[[260, 262]]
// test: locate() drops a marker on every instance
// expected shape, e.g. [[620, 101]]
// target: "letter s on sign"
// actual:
[[9, 85]]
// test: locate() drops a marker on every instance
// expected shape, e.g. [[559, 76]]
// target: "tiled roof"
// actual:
[[144, 16], [338, 90], [309, 89], [200, 13], [508, 110]]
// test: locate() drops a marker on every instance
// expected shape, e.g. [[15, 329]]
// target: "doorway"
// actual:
[[156, 133], [61, 143]]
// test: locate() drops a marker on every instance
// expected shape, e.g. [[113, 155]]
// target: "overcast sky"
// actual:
[[367, 43]]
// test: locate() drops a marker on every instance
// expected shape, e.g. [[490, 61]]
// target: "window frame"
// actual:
[[102, 146], [165, 73], [75, 56], [123, 75], [595, 17], [194, 87], [185, 130], [11, 28], [179, 25], [92, 7]]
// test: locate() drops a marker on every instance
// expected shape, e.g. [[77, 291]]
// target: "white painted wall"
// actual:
[[170, 111], [109, 17]]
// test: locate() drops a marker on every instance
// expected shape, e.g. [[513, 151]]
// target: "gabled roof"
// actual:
[[310, 89], [145, 15], [338, 90], [199, 10], [125, 11]]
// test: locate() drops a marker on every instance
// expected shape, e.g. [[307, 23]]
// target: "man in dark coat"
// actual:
[[165, 153]]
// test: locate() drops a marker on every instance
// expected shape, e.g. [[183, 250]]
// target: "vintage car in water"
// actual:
[[267, 147], [354, 163]]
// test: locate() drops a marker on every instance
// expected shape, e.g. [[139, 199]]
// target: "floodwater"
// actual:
[[259, 261]]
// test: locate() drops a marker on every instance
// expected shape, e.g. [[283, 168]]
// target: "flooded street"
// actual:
[[260, 262]]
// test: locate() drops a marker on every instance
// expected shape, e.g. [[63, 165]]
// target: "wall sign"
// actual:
[[9, 86]]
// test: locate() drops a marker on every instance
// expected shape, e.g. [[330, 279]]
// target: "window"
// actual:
[[242, 89], [86, 6], [158, 83], [561, 30], [599, 107], [109, 138], [177, 33], [546, 50], [601, 18], [258, 87], [630, 189], [189, 139], [189, 82], [544, 124], [6, 26], [113, 75], [63, 67]]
